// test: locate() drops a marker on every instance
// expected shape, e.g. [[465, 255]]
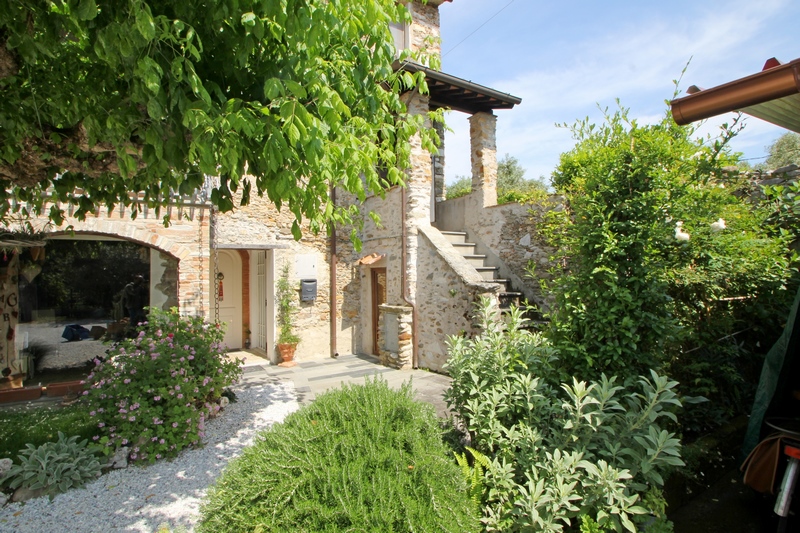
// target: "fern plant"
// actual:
[[473, 474], [54, 466]]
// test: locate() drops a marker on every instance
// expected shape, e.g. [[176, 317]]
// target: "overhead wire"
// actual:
[[478, 28]]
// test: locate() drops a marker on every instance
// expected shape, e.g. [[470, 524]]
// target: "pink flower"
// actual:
[[174, 424]]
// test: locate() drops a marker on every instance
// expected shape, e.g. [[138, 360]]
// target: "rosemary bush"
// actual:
[[361, 458]]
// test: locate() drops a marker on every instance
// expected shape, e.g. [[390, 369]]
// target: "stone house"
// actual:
[[415, 281]]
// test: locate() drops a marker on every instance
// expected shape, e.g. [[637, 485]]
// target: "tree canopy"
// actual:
[[784, 151], [278, 97], [662, 260], [512, 185]]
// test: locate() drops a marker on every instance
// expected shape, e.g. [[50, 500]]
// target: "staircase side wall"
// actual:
[[449, 288], [507, 234]]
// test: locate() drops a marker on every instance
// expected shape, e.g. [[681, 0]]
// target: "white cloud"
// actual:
[[635, 60]]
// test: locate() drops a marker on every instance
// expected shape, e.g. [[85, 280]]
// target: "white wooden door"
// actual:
[[230, 302], [261, 301]]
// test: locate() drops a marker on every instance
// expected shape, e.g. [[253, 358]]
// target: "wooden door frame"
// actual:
[[374, 273]]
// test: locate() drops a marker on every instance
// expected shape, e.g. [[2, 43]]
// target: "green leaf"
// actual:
[[145, 24], [273, 88], [296, 89], [87, 10]]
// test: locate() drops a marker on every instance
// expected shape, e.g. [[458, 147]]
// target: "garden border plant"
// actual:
[[156, 391], [54, 467], [559, 451], [663, 262], [360, 458]]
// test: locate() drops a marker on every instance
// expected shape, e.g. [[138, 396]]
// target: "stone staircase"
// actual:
[[507, 296]]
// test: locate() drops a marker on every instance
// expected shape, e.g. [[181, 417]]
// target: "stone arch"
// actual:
[[188, 241]]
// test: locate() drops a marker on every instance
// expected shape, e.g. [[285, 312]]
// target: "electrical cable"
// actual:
[[478, 28]]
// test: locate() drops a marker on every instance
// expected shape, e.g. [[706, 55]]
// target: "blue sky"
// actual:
[[563, 58]]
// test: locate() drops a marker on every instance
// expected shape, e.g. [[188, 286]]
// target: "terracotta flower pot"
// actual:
[[286, 352], [20, 395]]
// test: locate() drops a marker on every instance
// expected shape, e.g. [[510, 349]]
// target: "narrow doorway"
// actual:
[[378, 298], [261, 301], [229, 287]]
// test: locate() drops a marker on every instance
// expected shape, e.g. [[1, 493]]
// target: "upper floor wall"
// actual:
[[422, 34]]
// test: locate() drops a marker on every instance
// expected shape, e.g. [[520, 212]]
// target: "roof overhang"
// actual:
[[772, 95], [455, 93]]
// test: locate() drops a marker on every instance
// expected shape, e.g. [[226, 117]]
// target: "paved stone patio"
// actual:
[[311, 378]]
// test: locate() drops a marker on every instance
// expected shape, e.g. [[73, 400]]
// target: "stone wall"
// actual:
[[425, 28], [507, 234], [447, 289], [185, 240], [260, 225]]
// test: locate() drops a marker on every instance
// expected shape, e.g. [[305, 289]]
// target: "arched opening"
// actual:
[[78, 291]]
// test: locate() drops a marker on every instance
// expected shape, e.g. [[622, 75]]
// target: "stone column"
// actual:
[[420, 175], [437, 159], [483, 149], [419, 192], [395, 336]]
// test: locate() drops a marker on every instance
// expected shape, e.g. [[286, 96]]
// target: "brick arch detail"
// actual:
[[186, 240]]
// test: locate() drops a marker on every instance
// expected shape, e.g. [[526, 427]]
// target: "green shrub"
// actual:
[[558, 450], [155, 391], [631, 293], [462, 186], [54, 466], [362, 458], [39, 424]]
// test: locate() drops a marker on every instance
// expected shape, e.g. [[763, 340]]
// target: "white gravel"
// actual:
[[169, 492]]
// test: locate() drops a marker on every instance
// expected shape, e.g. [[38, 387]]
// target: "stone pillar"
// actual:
[[419, 193], [483, 149], [420, 175], [395, 336], [437, 159]]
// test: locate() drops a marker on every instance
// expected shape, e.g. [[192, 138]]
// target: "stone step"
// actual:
[[455, 236], [504, 283], [488, 273], [464, 248], [476, 260], [507, 299]]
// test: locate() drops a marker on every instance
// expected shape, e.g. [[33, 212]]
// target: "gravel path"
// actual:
[[142, 498]]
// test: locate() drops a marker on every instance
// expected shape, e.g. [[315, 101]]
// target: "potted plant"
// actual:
[[247, 336], [287, 339]]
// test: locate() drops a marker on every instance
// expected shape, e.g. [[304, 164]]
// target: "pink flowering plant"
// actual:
[[156, 391]]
